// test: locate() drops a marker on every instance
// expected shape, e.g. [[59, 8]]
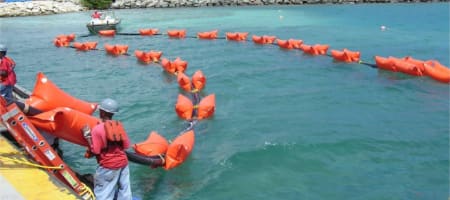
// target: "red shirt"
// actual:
[[108, 156], [96, 15], [7, 64]]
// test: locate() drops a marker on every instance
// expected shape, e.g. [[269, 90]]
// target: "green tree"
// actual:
[[97, 4]]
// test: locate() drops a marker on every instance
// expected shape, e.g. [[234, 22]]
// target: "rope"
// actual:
[[88, 190], [30, 163]]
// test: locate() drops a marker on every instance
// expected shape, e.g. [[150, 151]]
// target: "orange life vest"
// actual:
[[115, 132]]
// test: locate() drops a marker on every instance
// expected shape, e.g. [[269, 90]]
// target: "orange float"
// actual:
[[437, 71], [116, 50], [86, 46], [61, 42], [69, 38], [265, 39], [172, 67], [176, 33], [198, 80], [315, 50], [107, 33], [385, 63], [285, 44], [206, 107], [197, 84], [184, 82], [147, 57], [179, 150], [148, 32], [153, 146], [47, 96], [237, 36], [208, 35], [346, 55], [406, 67], [416, 62], [184, 107], [65, 123], [167, 65]]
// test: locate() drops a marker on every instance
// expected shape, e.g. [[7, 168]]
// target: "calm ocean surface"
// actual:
[[287, 125]]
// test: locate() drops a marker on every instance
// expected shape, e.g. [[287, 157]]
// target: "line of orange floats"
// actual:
[[406, 65]]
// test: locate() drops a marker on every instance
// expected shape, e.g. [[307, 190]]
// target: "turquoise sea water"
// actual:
[[287, 125]]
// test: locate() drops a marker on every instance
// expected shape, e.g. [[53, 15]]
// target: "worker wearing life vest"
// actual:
[[108, 142], [7, 74], [96, 15]]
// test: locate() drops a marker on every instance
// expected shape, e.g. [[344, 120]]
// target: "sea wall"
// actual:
[[28, 8]]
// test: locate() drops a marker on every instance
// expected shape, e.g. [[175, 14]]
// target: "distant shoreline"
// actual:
[[35, 8]]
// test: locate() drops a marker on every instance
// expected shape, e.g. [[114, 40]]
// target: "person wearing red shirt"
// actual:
[[112, 176], [96, 15], [7, 74]]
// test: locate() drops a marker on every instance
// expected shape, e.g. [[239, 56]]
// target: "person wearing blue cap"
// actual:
[[7, 74], [108, 142]]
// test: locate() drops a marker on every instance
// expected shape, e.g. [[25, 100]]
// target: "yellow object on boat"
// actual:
[[22, 181]]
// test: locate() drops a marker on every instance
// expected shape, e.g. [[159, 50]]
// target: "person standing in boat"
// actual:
[[108, 141], [7, 74], [96, 15]]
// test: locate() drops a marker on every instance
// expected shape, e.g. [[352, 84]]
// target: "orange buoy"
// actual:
[[285, 44], [61, 42], [208, 35], [147, 57], [86, 46], [346, 55], [65, 123], [116, 50], [406, 67], [385, 63], [265, 39], [47, 96], [296, 44], [153, 146], [236, 36], [167, 65], [107, 33], [184, 82], [206, 107], [180, 65], [148, 32], [437, 71], [416, 62], [176, 33], [198, 80], [184, 107], [179, 150], [315, 50], [69, 38]]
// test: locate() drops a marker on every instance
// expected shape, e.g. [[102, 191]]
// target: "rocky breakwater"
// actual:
[[14, 9], [122, 4]]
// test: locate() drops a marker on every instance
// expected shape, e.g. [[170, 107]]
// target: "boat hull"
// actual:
[[94, 28]]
